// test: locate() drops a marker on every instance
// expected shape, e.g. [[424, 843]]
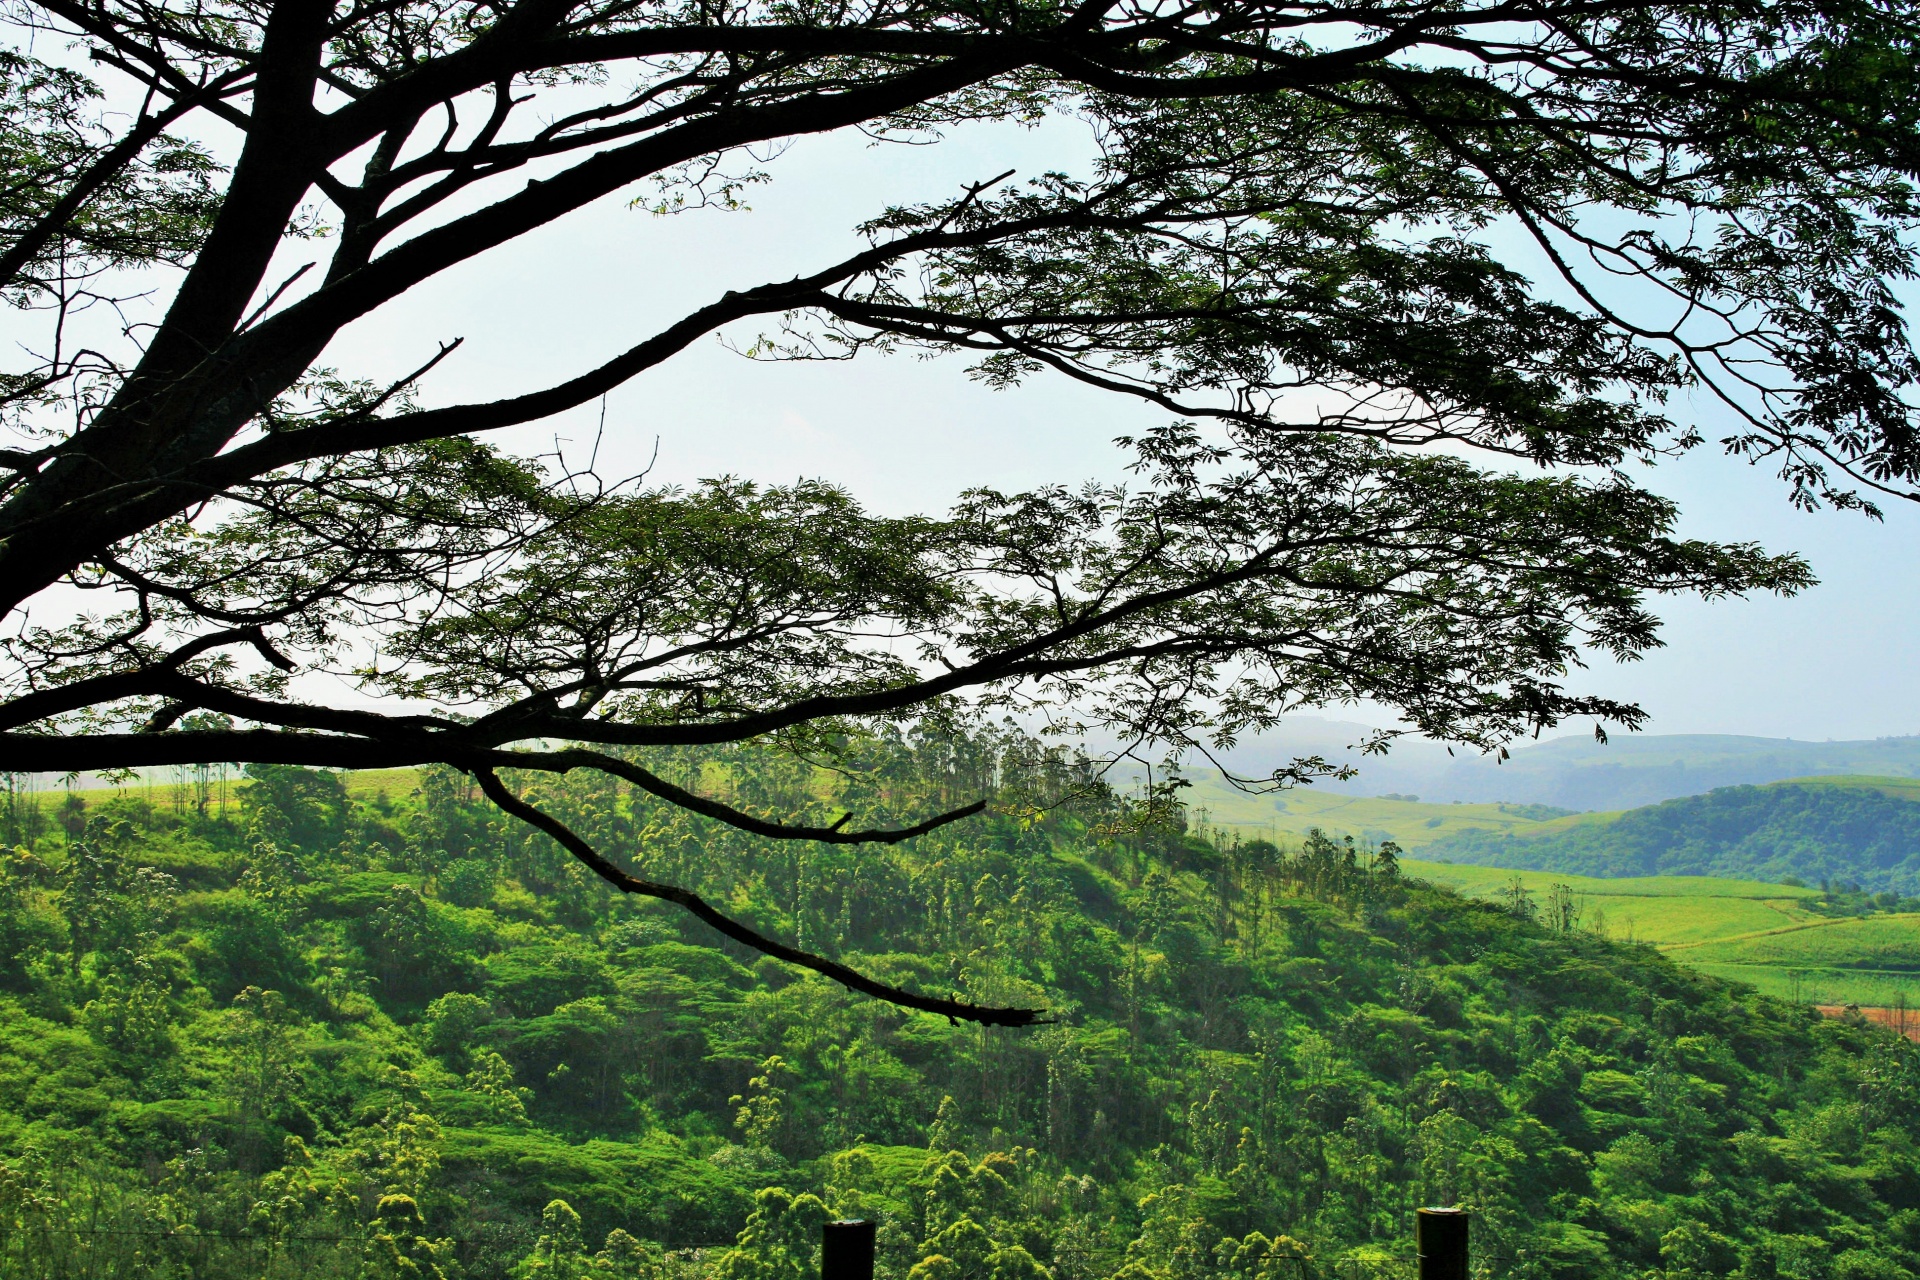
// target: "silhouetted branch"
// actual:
[[958, 1010]]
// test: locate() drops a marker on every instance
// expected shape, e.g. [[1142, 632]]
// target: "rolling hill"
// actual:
[[1697, 878], [1863, 830]]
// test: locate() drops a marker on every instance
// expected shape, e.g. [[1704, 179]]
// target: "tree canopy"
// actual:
[[1390, 466]]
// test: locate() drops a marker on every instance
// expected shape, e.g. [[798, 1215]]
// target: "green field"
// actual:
[[1872, 960], [396, 783], [1863, 987], [1662, 910], [1882, 942]]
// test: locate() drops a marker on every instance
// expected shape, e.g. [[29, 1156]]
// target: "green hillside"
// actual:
[[355, 1031], [1864, 831], [1895, 788]]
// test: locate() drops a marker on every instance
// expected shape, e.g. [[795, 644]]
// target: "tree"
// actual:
[[1520, 898], [1563, 909], [778, 1241], [397, 1249], [559, 1253], [1282, 242]]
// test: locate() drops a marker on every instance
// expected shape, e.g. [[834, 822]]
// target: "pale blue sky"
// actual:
[[907, 434]]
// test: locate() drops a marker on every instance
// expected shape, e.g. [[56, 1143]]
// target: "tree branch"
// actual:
[[955, 1010], [656, 785], [119, 156]]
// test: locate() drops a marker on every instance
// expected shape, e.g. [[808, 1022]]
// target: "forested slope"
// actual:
[[1864, 831], [321, 1038]]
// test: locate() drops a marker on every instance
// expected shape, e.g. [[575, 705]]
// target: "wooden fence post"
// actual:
[[846, 1250], [1440, 1239]]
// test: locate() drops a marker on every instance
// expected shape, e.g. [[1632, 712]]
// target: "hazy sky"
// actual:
[[907, 434]]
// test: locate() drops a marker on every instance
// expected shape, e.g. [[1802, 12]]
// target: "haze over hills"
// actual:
[[1576, 771]]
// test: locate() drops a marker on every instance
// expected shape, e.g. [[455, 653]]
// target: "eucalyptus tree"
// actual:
[[1391, 466]]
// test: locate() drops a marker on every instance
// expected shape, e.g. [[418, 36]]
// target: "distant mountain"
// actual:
[[1577, 772], [1865, 830]]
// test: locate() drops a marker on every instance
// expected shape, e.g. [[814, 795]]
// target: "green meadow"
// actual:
[[1870, 960]]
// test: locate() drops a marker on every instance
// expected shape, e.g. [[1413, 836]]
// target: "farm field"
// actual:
[[1881, 942], [1838, 987], [1874, 960]]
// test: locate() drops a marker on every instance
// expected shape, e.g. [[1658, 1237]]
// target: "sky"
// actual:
[[904, 433]]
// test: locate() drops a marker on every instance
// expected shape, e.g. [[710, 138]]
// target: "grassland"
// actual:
[[1864, 987], [1873, 960], [397, 783]]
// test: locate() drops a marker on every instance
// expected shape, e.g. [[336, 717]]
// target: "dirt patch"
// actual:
[[1905, 1021]]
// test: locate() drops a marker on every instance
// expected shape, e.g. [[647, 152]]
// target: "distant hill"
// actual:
[[1577, 772], [1286, 816], [1862, 829]]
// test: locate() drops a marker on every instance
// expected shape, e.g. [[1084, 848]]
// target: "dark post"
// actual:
[[846, 1250], [1440, 1238]]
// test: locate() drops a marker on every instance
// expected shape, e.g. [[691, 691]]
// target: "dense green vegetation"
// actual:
[[1859, 832], [387, 1034]]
